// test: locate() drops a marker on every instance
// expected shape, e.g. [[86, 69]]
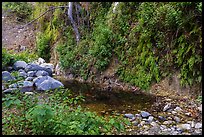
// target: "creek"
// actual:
[[109, 101]]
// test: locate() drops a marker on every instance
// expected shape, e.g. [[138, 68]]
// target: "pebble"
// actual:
[[184, 126], [177, 119], [150, 119], [145, 114], [167, 122], [178, 109], [142, 123], [200, 108], [192, 124], [198, 125], [163, 127], [135, 123], [167, 106], [130, 116], [29, 93], [173, 112], [161, 118]]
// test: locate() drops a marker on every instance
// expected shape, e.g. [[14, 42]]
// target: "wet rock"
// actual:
[[167, 106], [6, 76], [177, 119], [145, 114], [19, 65], [29, 78], [41, 73], [130, 116], [10, 90], [198, 125], [31, 73], [21, 70], [14, 85], [184, 126]]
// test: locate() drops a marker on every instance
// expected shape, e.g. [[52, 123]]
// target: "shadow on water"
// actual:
[[109, 101]]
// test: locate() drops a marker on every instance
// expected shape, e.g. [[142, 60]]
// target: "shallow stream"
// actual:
[[109, 101]]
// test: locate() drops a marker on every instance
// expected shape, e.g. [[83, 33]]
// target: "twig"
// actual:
[[50, 8]]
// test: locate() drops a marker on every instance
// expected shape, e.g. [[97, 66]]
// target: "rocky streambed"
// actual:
[[148, 113]]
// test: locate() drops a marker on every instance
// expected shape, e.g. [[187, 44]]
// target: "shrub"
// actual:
[[20, 9]]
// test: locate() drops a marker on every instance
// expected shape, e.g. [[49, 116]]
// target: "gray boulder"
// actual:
[[37, 81], [19, 65], [41, 61], [31, 73], [41, 73], [145, 114], [36, 67], [49, 84], [29, 78], [6, 76], [23, 74], [48, 65]]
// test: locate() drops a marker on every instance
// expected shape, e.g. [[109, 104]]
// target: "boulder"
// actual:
[[6, 76], [37, 81], [23, 74], [145, 114], [36, 67], [29, 78], [19, 65], [49, 84], [48, 65], [41, 61], [31, 73], [41, 73]]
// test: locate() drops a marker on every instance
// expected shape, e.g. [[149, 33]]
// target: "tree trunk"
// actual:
[[73, 22]]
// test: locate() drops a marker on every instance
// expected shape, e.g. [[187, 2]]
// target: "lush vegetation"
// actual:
[[59, 114], [22, 10], [9, 57], [151, 40]]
